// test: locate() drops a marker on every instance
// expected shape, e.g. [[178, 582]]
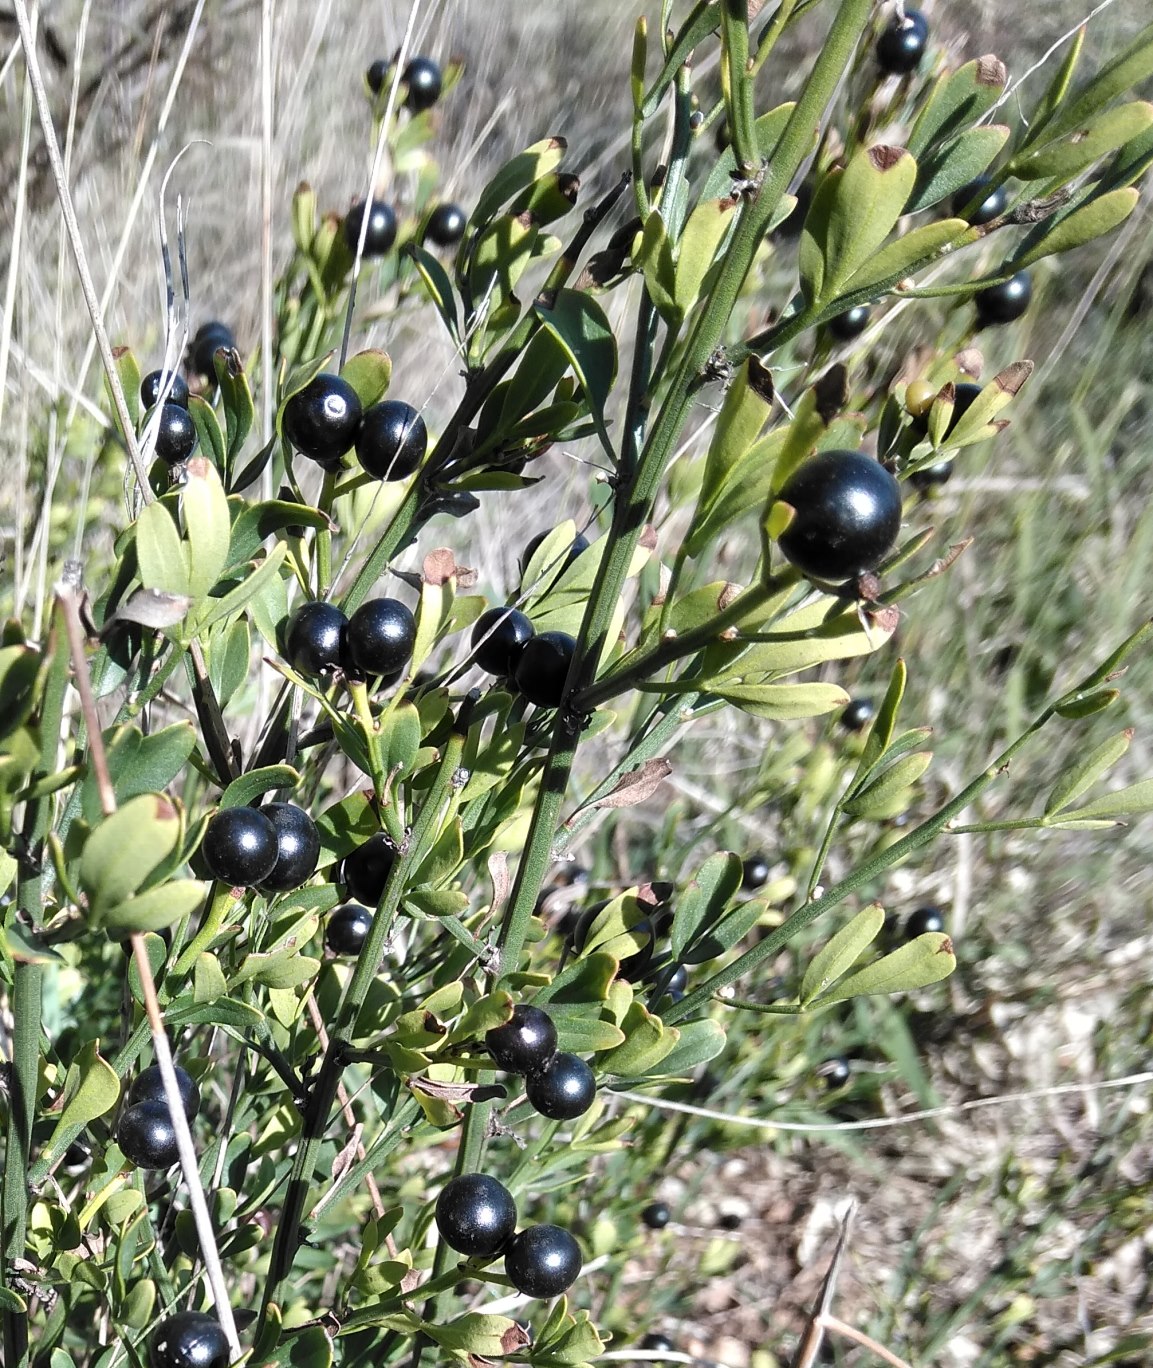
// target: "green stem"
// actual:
[[738, 83], [324, 537]]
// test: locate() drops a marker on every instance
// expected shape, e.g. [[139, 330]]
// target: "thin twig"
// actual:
[[267, 374], [846, 1331], [70, 603], [71, 223], [887, 1122]]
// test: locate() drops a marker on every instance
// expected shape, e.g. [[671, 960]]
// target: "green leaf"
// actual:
[[1086, 772], [399, 738], [437, 902], [707, 227], [1130, 801], [516, 175], [248, 787], [891, 791], [438, 287], [884, 724], [579, 324], [870, 196], [1127, 69], [1091, 220], [902, 257], [250, 589], [808, 637], [91, 1089], [139, 764], [369, 373], [9, 1301], [478, 1335], [580, 1032], [782, 702], [254, 523], [125, 848], [128, 369], [1062, 158], [224, 1012], [993, 398], [19, 667], [700, 1041], [923, 961], [1086, 705], [284, 969], [239, 410], [956, 164], [206, 524], [160, 554], [702, 903], [156, 908], [1055, 96], [655, 258], [957, 101], [647, 1041], [744, 413], [208, 433], [581, 981], [734, 926], [500, 258], [836, 958], [768, 129], [433, 618], [308, 1348], [578, 1343]]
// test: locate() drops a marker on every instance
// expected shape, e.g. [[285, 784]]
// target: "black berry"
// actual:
[[423, 78], [847, 515], [755, 871], [543, 668], [932, 476], [189, 1339], [149, 1087], [381, 231], [658, 1344], [376, 73], [176, 435], [152, 386], [147, 1136], [314, 641], [564, 1089], [857, 714], [210, 337], [924, 920], [656, 1215], [835, 1072], [77, 1157], [525, 1043], [322, 420], [675, 988], [445, 226], [498, 639], [847, 326], [729, 1220], [475, 1215], [561, 562], [297, 847], [392, 440], [348, 929], [365, 872], [542, 1261], [381, 635], [240, 846], [964, 394], [902, 45], [990, 206], [1004, 303]]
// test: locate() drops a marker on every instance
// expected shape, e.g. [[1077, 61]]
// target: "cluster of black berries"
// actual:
[[325, 419], [476, 1216], [376, 642], [146, 1133], [560, 1086], [273, 848], [176, 435]]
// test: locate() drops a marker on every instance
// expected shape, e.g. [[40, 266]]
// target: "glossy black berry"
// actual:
[[847, 326], [564, 1089], [348, 929], [176, 435], [543, 668], [314, 641], [561, 561], [729, 1220], [902, 44], [77, 1157], [152, 386], [322, 420], [498, 639], [542, 1261], [656, 1215], [847, 515], [297, 847], [381, 231], [658, 1344], [189, 1339], [240, 846], [924, 920], [149, 1087], [445, 226], [381, 635], [376, 73], [984, 209], [857, 714], [392, 440], [525, 1043], [423, 78], [210, 337], [475, 1215], [755, 871], [932, 476], [147, 1136], [836, 1072], [366, 870], [1004, 303]]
